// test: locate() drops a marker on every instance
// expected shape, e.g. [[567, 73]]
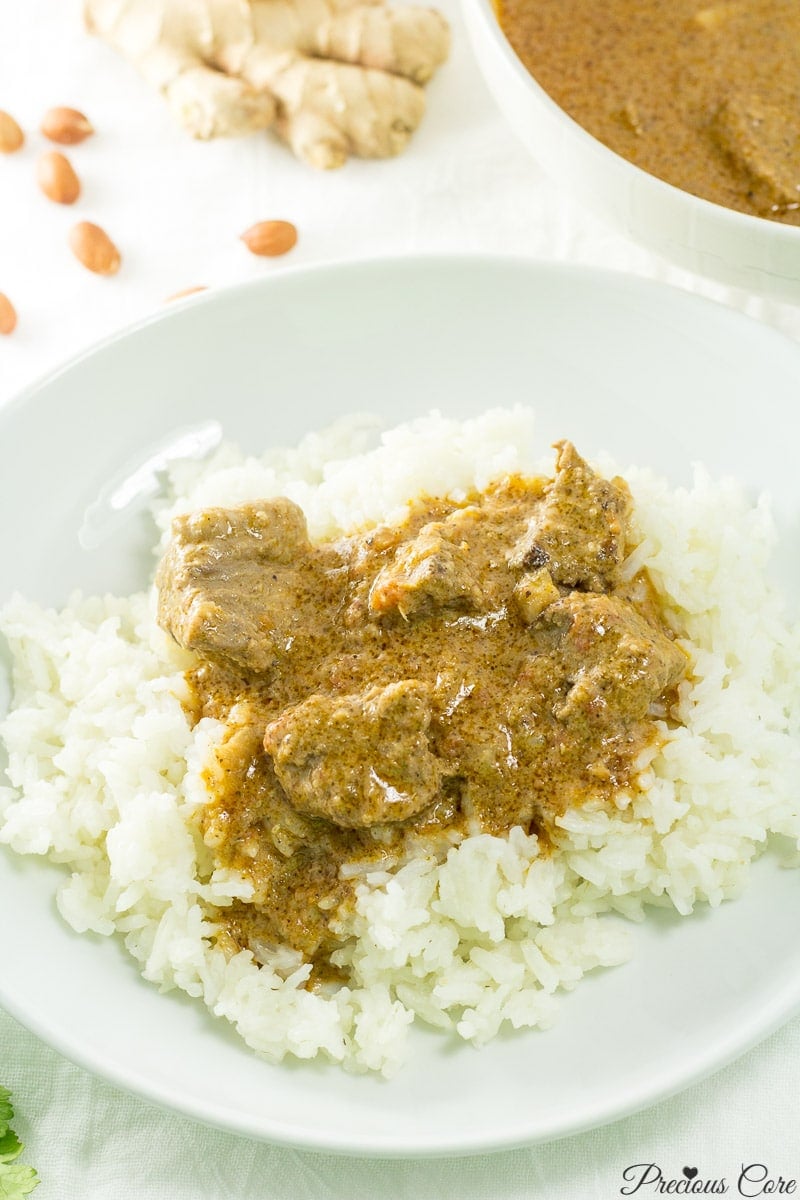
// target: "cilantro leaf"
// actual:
[[6, 1110], [10, 1146], [16, 1179]]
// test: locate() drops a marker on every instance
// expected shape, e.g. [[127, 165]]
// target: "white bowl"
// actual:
[[737, 249]]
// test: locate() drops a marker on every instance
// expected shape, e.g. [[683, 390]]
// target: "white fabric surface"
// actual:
[[176, 209]]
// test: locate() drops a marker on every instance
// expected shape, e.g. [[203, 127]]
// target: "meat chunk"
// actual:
[[614, 663], [579, 529], [227, 583], [761, 140], [429, 572], [357, 760]]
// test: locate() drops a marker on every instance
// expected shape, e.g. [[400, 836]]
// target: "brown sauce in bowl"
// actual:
[[703, 95]]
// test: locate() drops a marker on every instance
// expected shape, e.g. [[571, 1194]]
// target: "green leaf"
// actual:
[[10, 1146], [16, 1181], [6, 1110]]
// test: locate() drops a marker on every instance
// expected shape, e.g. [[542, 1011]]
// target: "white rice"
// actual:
[[105, 772]]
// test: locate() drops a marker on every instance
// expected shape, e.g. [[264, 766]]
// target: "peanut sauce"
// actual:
[[703, 95], [482, 665]]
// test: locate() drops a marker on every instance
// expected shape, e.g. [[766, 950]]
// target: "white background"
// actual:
[[175, 209]]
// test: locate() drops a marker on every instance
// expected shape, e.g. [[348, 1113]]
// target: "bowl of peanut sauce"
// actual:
[[677, 124]]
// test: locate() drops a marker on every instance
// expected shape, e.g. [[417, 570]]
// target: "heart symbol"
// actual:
[[690, 1172]]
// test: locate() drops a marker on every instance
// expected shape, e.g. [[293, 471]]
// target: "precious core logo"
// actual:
[[753, 1179]]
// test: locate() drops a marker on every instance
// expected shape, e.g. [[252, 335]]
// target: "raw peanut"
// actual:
[[94, 249], [8, 315], [57, 179], [269, 239], [11, 136], [190, 291], [66, 126]]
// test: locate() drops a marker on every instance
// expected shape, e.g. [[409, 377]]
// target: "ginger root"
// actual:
[[332, 77]]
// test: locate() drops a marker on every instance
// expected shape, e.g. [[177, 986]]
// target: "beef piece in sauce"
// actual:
[[431, 571], [357, 760], [291, 860], [480, 666], [611, 662], [227, 585], [762, 142], [578, 532]]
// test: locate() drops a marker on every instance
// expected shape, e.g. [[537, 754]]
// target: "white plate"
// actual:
[[652, 375]]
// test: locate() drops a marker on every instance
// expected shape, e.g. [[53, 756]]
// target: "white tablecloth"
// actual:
[[176, 208]]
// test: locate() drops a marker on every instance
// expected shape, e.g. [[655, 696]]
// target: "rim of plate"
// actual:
[[176, 310]]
